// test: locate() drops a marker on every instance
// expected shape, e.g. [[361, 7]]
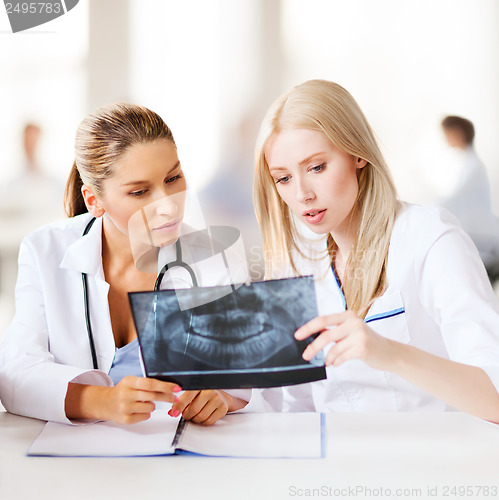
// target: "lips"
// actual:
[[169, 226], [314, 216]]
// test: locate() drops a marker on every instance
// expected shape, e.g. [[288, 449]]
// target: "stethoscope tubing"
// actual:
[[87, 309], [178, 262]]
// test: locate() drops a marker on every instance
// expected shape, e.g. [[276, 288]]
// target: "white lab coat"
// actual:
[[438, 299], [47, 346], [470, 201]]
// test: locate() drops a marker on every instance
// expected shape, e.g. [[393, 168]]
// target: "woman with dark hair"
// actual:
[[126, 163]]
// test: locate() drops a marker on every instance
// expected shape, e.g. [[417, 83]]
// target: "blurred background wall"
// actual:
[[212, 67]]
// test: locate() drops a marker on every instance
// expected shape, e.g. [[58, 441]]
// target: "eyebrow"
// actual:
[[302, 162], [139, 182]]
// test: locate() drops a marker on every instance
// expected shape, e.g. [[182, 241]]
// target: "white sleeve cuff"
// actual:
[[493, 373], [244, 394], [93, 377]]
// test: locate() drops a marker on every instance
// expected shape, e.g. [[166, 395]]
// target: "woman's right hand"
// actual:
[[351, 338], [131, 400]]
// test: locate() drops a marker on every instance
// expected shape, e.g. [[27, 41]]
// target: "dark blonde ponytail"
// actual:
[[74, 204]]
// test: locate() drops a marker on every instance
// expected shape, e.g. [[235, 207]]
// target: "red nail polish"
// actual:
[[177, 389]]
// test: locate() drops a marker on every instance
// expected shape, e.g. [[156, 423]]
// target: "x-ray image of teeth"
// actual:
[[243, 339]]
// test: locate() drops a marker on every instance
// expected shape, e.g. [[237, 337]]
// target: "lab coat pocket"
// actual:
[[387, 317]]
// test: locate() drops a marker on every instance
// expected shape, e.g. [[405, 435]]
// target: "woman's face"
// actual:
[[145, 196], [315, 179]]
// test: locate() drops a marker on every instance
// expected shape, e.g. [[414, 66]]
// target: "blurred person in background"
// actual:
[[32, 193], [30, 198], [470, 198]]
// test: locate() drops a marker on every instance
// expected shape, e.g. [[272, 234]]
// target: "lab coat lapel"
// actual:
[[85, 256]]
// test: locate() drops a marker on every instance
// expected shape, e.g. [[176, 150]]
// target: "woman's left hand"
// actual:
[[202, 407], [352, 339]]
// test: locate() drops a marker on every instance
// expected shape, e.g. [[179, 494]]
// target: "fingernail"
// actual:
[[174, 413], [177, 389]]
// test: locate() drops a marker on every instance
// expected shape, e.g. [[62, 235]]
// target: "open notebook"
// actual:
[[251, 435]]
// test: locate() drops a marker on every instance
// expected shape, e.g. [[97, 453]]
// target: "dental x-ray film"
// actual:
[[202, 339]]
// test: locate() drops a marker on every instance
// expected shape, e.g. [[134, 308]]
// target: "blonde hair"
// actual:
[[327, 107], [102, 138]]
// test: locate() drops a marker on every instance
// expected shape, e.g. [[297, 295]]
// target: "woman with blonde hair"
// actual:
[[71, 352], [407, 317]]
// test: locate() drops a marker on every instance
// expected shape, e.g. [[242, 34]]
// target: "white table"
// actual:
[[385, 451]]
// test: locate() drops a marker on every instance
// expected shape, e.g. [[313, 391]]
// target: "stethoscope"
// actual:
[[178, 262]]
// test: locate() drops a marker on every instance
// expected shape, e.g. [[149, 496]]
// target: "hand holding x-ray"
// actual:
[[242, 339]]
